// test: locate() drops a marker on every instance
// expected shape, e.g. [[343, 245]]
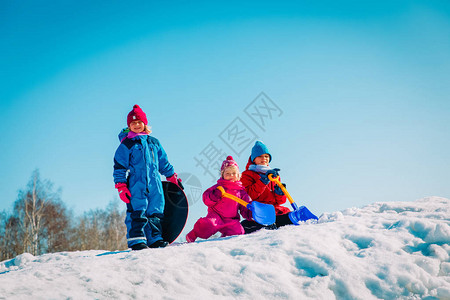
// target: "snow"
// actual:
[[383, 250]]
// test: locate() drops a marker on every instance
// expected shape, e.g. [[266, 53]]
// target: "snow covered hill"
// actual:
[[384, 250]]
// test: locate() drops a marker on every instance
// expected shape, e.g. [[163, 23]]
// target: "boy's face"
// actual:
[[137, 126], [231, 174], [262, 160]]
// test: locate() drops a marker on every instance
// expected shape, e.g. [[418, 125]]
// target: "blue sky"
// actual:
[[362, 89]]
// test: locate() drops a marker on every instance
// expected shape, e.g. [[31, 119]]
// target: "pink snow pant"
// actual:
[[212, 223]]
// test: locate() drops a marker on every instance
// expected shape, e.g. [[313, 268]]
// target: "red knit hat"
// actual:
[[228, 163], [136, 114]]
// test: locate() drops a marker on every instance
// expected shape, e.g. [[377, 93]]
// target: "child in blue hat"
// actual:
[[260, 188]]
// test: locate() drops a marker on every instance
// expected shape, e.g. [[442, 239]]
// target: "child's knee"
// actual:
[[205, 227], [233, 229], [205, 223]]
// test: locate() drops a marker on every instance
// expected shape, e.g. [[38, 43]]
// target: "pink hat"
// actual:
[[228, 163], [136, 114]]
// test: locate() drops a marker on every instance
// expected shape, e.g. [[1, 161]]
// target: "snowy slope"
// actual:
[[384, 250]]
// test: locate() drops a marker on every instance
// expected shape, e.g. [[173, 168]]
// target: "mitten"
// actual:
[[124, 192], [174, 179], [278, 190], [215, 195], [274, 172], [264, 178]]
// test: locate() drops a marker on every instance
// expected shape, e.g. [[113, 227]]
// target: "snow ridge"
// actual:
[[381, 251]]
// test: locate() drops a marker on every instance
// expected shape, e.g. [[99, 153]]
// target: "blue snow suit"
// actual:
[[138, 162]]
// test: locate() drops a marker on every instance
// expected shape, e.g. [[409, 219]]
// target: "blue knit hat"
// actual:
[[259, 149]]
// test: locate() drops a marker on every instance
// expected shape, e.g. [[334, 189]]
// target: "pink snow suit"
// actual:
[[223, 213]]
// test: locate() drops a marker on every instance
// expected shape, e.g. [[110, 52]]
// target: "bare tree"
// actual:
[[10, 240], [101, 229], [40, 223], [3, 236], [30, 209], [57, 228], [115, 227], [90, 230]]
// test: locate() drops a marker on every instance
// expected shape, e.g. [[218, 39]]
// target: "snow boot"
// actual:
[[271, 227], [139, 246], [190, 237], [251, 226], [300, 215], [159, 244]]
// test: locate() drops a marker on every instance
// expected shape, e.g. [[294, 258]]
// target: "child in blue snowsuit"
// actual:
[[138, 161]]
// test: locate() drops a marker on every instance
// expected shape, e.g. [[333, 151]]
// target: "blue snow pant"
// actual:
[[143, 218]]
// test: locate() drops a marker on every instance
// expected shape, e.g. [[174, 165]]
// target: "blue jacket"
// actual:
[[143, 158]]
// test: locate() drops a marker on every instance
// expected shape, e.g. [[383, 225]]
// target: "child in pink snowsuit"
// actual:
[[223, 213]]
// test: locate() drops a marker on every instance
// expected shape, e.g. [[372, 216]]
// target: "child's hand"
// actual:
[[274, 172], [174, 179], [278, 190], [264, 179], [124, 192], [216, 195]]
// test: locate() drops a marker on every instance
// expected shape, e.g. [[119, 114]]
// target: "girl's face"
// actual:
[[231, 174], [262, 160], [137, 126]]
